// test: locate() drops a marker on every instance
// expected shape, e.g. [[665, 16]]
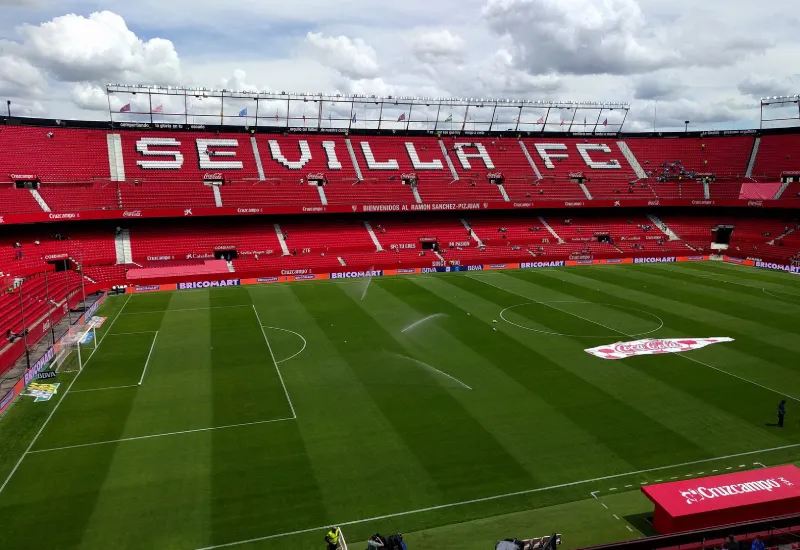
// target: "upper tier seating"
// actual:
[[74, 197], [168, 169], [16, 200], [776, 154], [70, 155], [726, 157]]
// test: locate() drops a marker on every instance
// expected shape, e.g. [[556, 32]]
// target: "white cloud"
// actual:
[[758, 86], [19, 77], [436, 43], [658, 86], [99, 48], [89, 96], [579, 36], [352, 57], [239, 82], [702, 62]]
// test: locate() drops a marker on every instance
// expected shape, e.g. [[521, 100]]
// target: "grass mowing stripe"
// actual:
[[682, 356], [707, 388], [704, 395], [746, 325], [47, 420], [494, 497], [421, 427], [258, 479], [577, 390], [725, 301]]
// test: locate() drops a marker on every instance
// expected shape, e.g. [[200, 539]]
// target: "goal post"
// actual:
[[74, 348]]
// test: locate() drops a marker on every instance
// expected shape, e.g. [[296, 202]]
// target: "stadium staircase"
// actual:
[[551, 230], [281, 239], [217, 196], [632, 160], [663, 227], [373, 236], [471, 233], [116, 166], [782, 189], [122, 247], [257, 156], [753, 155], [38, 198]]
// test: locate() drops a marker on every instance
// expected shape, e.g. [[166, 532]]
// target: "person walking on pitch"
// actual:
[[781, 412], [332, 539]]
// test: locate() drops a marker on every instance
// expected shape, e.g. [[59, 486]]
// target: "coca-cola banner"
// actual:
[[653, 346], [730, 498]]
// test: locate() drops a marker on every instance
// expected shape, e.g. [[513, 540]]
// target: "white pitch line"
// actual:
[[50, 416], [782, 298], [277, 369], [712, 278], [488, 499], [681, 355], [189, 309], [147, 361], [105, 389], [305, 343], [603, 505], [616, 517], [629, 528], [130, 333], [166, 434], [688, 358]]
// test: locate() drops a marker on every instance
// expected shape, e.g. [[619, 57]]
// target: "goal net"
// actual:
[[74, 348]]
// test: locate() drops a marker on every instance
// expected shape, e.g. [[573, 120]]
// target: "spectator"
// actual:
[[731, 544], [758, 544]]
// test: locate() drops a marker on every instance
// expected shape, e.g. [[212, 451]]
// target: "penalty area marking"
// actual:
[[502, 316], [489, 499], [153, 436], [305, 342], [783, 298], [53, 412], [189, 309]]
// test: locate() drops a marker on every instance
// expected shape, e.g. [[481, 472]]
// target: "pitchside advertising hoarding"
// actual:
[[721, 500], [287, 276], [36, 369], [772, 266]]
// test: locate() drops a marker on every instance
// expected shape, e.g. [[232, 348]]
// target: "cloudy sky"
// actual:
[[707, 62]]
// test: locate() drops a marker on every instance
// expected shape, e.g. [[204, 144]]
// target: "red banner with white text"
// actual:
[[39, 217]]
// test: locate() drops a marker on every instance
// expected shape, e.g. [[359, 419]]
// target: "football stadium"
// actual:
[[459, 323]]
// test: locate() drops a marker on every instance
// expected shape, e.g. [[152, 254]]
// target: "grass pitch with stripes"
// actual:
[[331, 414]]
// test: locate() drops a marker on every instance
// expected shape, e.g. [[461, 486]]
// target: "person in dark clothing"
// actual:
[[731, 543], [781, 412]]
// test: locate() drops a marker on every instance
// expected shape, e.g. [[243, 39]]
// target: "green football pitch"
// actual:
[[268, 413]]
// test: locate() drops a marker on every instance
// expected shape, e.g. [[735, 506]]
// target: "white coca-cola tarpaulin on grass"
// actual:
[[653, 346]]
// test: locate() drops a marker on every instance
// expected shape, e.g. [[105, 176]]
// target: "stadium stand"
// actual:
[[127, 172]]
